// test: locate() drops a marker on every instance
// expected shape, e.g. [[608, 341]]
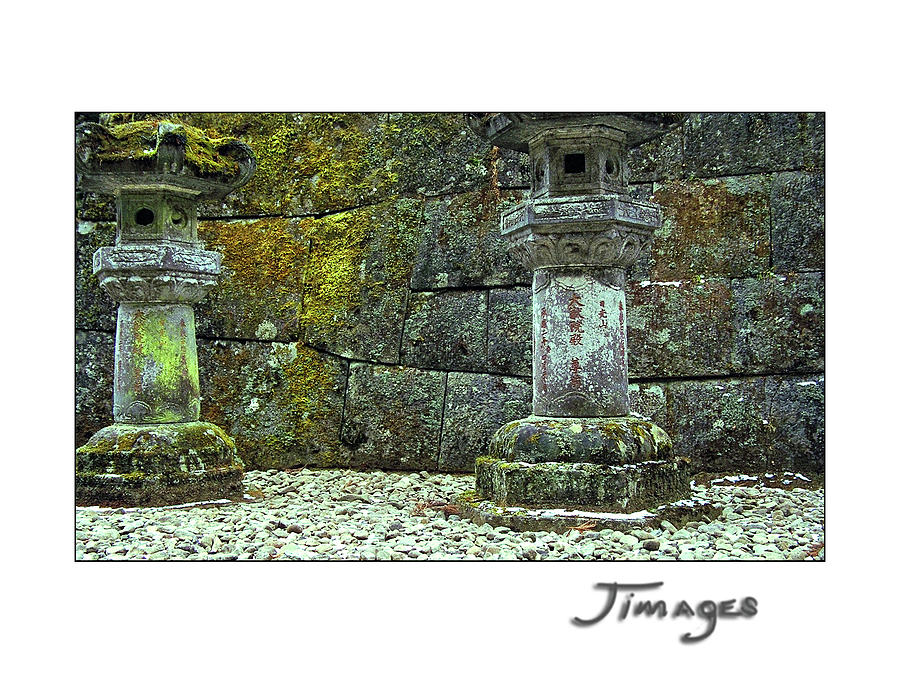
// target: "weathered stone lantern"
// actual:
[[581, 453], [157, 451]]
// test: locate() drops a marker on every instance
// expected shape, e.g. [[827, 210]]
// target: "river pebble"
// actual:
[[376, 515]]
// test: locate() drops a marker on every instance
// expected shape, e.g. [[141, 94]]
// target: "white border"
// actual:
[[459, 56]]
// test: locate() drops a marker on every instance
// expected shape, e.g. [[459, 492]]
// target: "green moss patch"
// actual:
[[355, 288], [263, 264], [307, 163], [314, 391], [282, 402], [139, 141]]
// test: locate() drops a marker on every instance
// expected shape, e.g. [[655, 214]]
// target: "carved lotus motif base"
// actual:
[[605, 230], [157, 273], [157, 464]]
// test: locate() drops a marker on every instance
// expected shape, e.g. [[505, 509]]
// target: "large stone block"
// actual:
[[282, 403], [94, 308], [259, 293], [477, 405], [720, 144], [798, 222], [446, 330], [721, 425], [754, 424], [680, 328], [713, 326], [509, 332], [356, 279], [437, 153], [649, 400], [393, 417], [658, 160], [94, 356], [797, 411], [617, 488], [712, 228], [462, 246], [781, 323]]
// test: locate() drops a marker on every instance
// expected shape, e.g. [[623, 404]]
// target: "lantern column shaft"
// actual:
[[156, 376], [580, 367]]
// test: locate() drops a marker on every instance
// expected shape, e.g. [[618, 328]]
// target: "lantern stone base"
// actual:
[[546, 473], [615, 489], [604, 440], [157, 464], [518, 518]]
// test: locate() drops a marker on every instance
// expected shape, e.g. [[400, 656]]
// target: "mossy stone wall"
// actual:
[[368, 314]]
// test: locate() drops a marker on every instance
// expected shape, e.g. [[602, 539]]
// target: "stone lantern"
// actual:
[[157, 451], [581, 453]]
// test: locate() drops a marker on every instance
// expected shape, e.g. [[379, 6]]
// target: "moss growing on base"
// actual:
[[624, 488], [595, 440], [157, 464]]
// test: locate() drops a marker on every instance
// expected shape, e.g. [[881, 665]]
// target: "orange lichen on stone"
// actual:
[[712, 228]]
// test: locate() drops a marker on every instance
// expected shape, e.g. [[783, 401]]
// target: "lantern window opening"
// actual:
[[574, 163]]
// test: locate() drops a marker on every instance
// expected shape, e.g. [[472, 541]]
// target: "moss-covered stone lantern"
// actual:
[[581, 452], [157, 451]]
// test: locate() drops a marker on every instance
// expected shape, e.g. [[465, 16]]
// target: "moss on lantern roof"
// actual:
[[140, 141]]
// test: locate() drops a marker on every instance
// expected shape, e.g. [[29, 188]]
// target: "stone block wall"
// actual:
[[368, 314]]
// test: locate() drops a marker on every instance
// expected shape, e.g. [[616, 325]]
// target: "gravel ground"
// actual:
[[348, 515]]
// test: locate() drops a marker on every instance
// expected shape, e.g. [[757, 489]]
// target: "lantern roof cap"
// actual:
[[514, 130], [160, 154]]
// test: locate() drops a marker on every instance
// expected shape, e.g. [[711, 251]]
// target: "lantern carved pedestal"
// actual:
[[581, 455], [157, 452]]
